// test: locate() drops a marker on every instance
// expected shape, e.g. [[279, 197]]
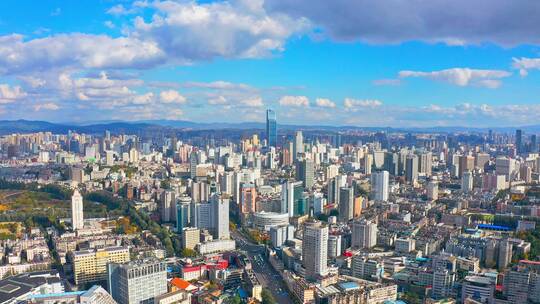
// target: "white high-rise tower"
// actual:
[[77, 218], [379, 185]]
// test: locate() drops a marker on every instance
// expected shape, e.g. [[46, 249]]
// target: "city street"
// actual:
[[269, 278]]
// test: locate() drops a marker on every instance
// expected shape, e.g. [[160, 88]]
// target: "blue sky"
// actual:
[[364, 63]]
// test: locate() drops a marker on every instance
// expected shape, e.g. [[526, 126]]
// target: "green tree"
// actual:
[[234, 300], [267, 297]]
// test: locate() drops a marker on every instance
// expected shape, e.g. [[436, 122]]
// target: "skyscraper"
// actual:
[[305, 171], [519, 141], [379, 185], [220, 212], [411, 168], [290, 193], [298, 144], [346, 204], [315, 249], [137, 281], [77, 218], [467, 182], [271, 128], [193, 164], [183, 215]]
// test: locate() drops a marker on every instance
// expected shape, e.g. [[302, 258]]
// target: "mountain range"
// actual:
[[29, 126]]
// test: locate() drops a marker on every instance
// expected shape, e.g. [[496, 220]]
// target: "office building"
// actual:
[[315, 249], [183, 215], [305, 172], [138, 281], [77, 217], [291, 192], [519, 141], [271, 128]]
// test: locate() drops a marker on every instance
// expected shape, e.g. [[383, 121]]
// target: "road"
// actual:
[[268, 276]]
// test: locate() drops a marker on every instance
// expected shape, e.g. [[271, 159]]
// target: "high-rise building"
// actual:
[[298, 144], [193, 164], [220, 210], [183, 215], [466, 163], [271, 128], [425, 163], [137, 281], [315, 249], [346, 204], [379, 185], [534, 144], [411, 168], [467, 182], [443, 282], [305, 172], [248, 198], [280, 234], [291, 192], [519, 141], [432, 190], [77, 217], [167, 203], [364, 234], [334, 246]]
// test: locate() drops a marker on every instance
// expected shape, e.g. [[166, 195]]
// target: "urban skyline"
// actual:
[[269, 152]]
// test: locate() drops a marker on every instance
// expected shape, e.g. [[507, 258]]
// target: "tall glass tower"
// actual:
[[271, 128]]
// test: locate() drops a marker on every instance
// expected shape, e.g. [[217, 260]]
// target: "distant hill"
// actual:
[[28, 126]]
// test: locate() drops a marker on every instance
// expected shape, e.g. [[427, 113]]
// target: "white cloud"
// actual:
[[46, 106], [524, 64], [10, 94], [76, 51], [325, 103], [143, 99], [218, 100], [119, 10], [218, 85], [171, 96], [253, 102], [294, 101], [352, 104], [109, 24], [462, 76]]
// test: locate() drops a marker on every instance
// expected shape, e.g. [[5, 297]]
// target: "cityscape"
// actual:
[[269, 152]]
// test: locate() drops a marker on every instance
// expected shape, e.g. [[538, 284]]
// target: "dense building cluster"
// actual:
[[300, 216]]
